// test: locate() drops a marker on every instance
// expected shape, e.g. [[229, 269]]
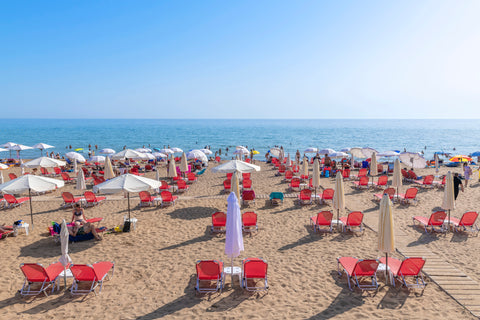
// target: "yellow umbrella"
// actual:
[[386, 234], [339, 195], [448, 196], [397, 175], [79, 149], [460, 158], [255, 152], [234, 185]]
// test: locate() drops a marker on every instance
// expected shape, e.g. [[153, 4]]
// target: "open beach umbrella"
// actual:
[[233, 235], [235, 166], [127, 182], [275, 152], [75, 156], [167, 151], [44, 162], [310, 150], [143, 150], [127, 154], [148, 156], [19, 147], [367, 152], [172, 170], [241, 151], [100, 159], [160, 155], [29, 183], [460, 158], [183, 163], [389, 153], [338, 154], [397, 175], [8, 145], [326, 151], [65, 259], [235, 185], [206, 151], [42, 146], [197, 154], [81, 185], [316, 175], [176, 150], [413, 159], [107, 151], [108, 170], [339, 196], [386, 234], [3, 150], [448, 196], [3, 166]]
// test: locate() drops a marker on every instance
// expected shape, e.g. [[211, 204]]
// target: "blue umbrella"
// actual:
[[476, 154]]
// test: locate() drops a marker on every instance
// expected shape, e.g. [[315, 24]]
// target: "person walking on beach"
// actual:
[[467, 172], [456, 184]]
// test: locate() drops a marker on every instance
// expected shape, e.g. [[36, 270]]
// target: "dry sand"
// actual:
[[155, 264]]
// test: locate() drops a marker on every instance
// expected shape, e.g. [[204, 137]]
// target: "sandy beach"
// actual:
[[155, 264]]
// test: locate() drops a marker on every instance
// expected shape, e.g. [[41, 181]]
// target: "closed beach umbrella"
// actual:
[[127, 182], [289, 161], [22, 168], [448, 196], [75, 166], [81, 185], [1, 178], [44, 162], [397, 175], [305, 167], [172, 170], [235, 185], [75, 156], [107, 151], [42, 146], [413, 159], [183, 163], [234, 235], [437, 162], [373, 166], [65, 259], [157, 174], [316, 175], [339, 195], [386, 234], [29, 183], [108, 170]]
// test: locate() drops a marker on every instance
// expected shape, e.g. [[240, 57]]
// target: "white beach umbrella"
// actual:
[[108, 170], [206, 151], [373, 165], [305, 167], [367, 152], [241, 148], [413, 159], [345, 150], [241, 151], [144, 150], [65, 259], [75, 156], [3, 150], [197, 154], [107, 151], [235, 185], [99, 159], [275, 152], [127, 182], [8, 145], [127, 154], [316, 175], [42, 146], [160, 155], [172, 170], [81, 184], [29, 183], [20, 147], [389, 153], [397, 175], [235, 166], [167, 151], [339, 196], [148, 156], [326, 151], [234, 235], [338, 154], [357, 153], [183, 163], [448, 196], [44, 162], [386, 230], [3, 166], [176, 150], [310, 150]]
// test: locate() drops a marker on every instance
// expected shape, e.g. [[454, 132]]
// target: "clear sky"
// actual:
[[240, 59]]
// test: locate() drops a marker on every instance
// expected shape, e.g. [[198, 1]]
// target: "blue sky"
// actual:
[[240, 59]]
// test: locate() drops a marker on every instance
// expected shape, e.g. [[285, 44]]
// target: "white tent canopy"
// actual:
[[44, 162], [235, 166]]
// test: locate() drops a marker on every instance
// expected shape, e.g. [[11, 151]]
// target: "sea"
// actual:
[[427, 136]]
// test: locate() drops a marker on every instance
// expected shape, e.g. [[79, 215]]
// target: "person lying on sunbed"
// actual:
[[80, 224]]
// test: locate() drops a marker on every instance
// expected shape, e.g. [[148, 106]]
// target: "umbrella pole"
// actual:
[[448, 224], [338, 218], [128, 197], [31, 210], [231, 272], [386, 267], [65, 278]]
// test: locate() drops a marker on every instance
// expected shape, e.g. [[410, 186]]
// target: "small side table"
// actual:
[[237, 271], [133, 221], [25, 226]]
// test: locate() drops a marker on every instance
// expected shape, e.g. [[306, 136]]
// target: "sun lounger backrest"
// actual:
[[382, 180], [208, 269], [12, 176], [166, 196], [328, 194], [305, 194], [468, 218], [363, 181], [249, 218], [34, 272], [144, 196], [355, 218], [362, 172], [324, 218], [67, 197], [255, 268], [437, 218], [83, 272], [219, 218], [10, 198], [390, 191], [411, 193], [365, 268], [428, 179], [90, 196], [411, 266]]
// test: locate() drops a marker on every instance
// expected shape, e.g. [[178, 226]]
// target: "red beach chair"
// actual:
[[247, 184], [408, 268], [167, 198], [466, 223], [69, 199], [247, 196], [327, 194], [288, 175], [295, 184], [362, 183], [410, 196], [14, 202], [219, 221], [36, 274], [305, 195], [249, 221], [435, 221], [92, 199], [254, 269], [66, 178], [182, 185], [12, 176], [381, 182], [227, 185], [353, 222], [94, 275], [322, 219], [357, 270], [426, 182], [146, 199], [390, 191], [191, 177], [210, 272]]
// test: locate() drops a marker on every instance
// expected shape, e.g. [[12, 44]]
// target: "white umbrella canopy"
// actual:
[[81, 184], [413, 159], [176, 150], [326, 151], [127, 154], [357, 153], [275, 152], [100, 159], [373, 165], [107, 151], [172, 170], [241, 148], [183, 163], [316, 175], [367, 152], [20, 147], [3, 150], [143, 150], [345, 150], [65, 259], [197, 154], [389, 153], [44, 162], [241, 151], [235, 166], [159, 155], [339, 195], [42, 146], [108, 170], [8, 145], [206, 151], [3, 166], [448, 202], [386, 231], [148, 156], [167, 151], [338, 154], [29, 183], [310, 150], [397, 175], [75, 156], [234, 234]]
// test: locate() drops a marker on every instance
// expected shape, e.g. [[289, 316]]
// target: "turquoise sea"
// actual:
[[412, 135]]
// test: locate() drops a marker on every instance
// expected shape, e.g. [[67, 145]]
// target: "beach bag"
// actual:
[[126, 226]]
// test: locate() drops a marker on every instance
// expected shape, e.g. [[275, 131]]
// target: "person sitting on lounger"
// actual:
[[80, 224]]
